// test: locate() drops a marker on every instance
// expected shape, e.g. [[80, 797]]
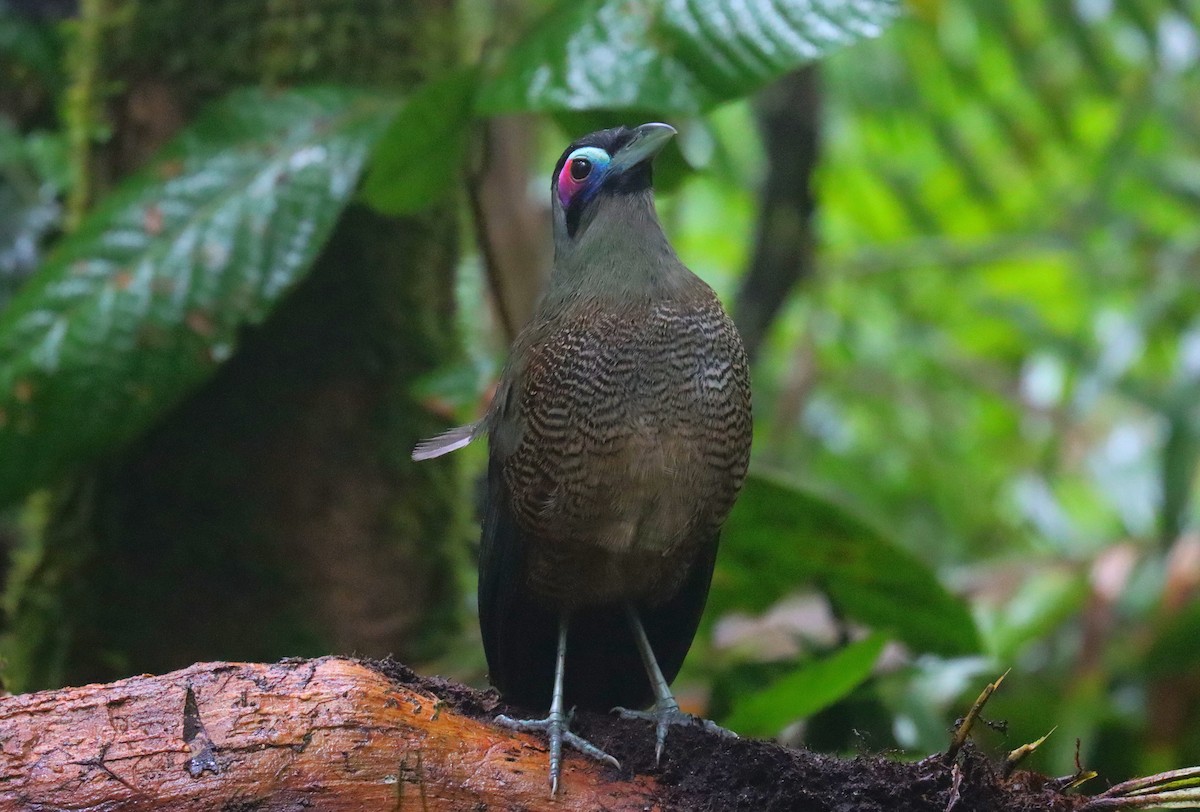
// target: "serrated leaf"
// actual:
[[673, 56], [143, 302], [781, 537], [813, 686], [419, 156]]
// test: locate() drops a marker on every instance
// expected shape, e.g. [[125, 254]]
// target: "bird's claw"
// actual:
[[665, 717], [557, 730]]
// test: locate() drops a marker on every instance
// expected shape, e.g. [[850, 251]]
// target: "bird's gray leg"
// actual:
[[666, 708], [557, 724]]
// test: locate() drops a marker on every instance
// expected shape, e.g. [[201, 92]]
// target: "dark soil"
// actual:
[[702, 772]]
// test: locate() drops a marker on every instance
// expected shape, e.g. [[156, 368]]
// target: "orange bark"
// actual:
[[328, 734]]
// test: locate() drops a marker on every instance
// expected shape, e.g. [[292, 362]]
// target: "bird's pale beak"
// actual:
[[648, 141]]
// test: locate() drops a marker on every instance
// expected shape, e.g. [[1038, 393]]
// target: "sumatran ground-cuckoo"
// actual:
[[618, 440]]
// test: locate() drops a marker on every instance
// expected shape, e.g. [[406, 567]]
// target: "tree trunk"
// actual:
[[276, 512]]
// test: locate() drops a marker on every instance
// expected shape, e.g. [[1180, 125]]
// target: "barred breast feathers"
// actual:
[[613, 404]]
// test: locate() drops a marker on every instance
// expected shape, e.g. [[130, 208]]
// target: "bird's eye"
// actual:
[[580, 168]]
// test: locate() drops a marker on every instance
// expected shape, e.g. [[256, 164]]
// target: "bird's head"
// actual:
[[599, 167]]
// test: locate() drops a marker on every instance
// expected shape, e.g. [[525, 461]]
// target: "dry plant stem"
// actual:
[[1177, 789], [1186, 799], [1137, 785], [1021, 753], [964, 729], [956, 778]]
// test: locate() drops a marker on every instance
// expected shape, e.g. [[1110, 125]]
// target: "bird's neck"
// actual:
[[621, 254]]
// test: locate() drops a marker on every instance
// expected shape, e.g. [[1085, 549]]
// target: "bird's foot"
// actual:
[[557, 730], [664, 717]]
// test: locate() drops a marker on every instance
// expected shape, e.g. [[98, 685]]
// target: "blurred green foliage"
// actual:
[[977, 424], [780, 535], [999, 356]]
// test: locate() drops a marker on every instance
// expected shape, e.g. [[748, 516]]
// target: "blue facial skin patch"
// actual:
[[583, 171]]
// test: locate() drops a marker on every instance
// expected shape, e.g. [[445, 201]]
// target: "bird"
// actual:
[[618, 440]]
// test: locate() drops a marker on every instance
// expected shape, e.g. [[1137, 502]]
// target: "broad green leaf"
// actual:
[[673, 56], [813, 686], [781, 537], [419, 156], [145, 300]]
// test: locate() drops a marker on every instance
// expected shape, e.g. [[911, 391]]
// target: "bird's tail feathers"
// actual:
[[447, 441]]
